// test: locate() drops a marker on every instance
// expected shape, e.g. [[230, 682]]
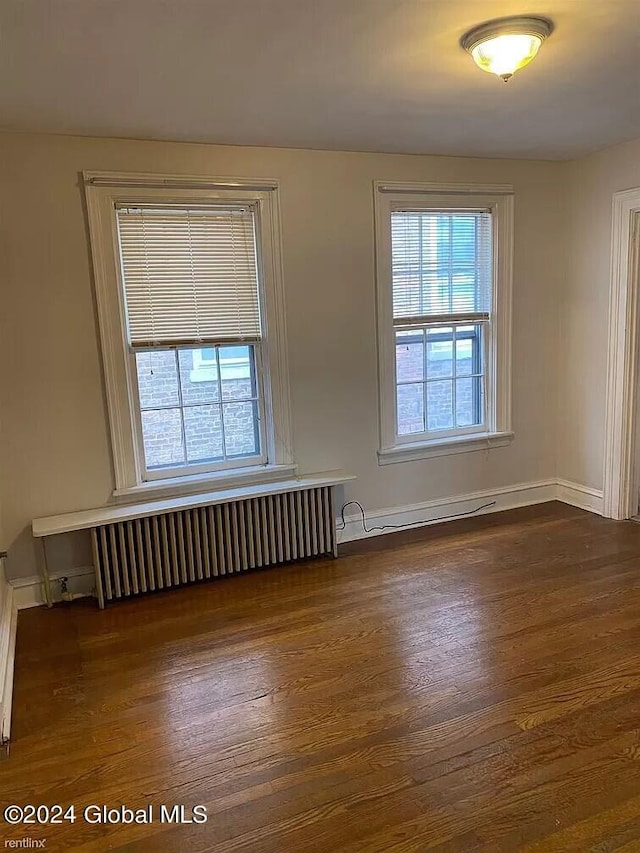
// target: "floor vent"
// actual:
[[176, 548]]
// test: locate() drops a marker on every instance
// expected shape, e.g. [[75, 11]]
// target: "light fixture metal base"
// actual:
[[515, 25]]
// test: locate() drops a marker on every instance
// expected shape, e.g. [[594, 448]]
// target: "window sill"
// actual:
[[194, 483], [86, 519], [444, 447]]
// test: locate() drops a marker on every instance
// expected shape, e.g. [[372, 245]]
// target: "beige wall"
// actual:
[[585, 306], [3, 544], [55, 452]]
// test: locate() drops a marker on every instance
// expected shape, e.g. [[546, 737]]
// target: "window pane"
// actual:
[[463, 284], [409, 356], [468, 350], [237, 373], [439, 353], [241, 429], [468, 402], [162, 436], [440, 405], [157, 379], [198, 375], [203, 433], [410, 408]]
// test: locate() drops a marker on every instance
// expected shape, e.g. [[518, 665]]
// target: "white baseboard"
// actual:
[[29, 592], [432, 512], [581, 496], [475, 503], [8, 623]]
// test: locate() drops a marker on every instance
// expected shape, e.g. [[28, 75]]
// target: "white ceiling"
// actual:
[[377, 75]]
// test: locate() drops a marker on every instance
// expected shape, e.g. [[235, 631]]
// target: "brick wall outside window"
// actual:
[[157, 383], [409, 363]]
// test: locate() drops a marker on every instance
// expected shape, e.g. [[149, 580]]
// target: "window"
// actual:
[[190, 275], [214, 419], [443, 261], [189, 300]]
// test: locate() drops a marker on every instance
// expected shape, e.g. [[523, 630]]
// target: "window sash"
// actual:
[[206, 466], [481, 337]]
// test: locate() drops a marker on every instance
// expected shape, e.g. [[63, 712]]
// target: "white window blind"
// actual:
[[441, 266], [190, 275]]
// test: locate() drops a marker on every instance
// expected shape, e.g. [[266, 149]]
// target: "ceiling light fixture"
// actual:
[[503, 47]]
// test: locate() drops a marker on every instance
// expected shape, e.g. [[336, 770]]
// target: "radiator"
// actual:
[[199, 543]]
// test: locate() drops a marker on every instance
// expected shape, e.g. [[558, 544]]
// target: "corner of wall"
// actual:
[[565, 257]]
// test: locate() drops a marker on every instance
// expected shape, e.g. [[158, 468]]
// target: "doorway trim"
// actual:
[[620, 482]]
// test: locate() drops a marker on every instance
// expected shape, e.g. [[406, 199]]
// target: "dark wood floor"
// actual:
[[470, 687]]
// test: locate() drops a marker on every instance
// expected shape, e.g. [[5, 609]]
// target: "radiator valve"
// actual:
[[64, 589]]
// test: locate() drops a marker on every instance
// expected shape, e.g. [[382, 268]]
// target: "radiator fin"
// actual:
[[176, 548]]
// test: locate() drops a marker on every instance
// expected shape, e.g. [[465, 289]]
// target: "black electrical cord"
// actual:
[[404, 526]]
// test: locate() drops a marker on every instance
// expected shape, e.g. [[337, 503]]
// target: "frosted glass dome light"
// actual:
[[503, 47]]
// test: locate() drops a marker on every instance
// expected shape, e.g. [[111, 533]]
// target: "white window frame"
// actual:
[[104, 190], [497, 431]]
